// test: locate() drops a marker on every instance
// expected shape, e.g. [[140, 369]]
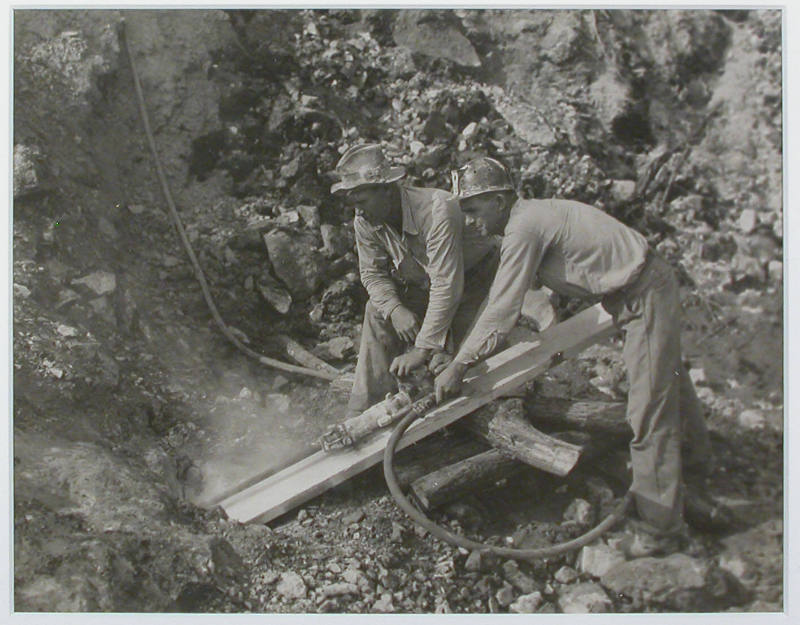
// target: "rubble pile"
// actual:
[[669, 120]]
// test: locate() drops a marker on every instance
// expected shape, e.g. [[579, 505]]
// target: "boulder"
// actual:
[[748, 220], [597, 559], [274, 293], [436, 34], [677, 582], [587, 597], [336, 240], [100, 282], [526, 604], [291, 586], [337, 348], [755, 557], [295, 261], [27, 178]]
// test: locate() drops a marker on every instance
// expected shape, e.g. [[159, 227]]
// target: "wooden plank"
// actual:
[[484, 382]]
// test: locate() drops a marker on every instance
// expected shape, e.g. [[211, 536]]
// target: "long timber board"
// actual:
[[484, 382]]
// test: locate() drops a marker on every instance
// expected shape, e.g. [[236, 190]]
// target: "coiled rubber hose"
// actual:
[[461, 541], [198, 271]]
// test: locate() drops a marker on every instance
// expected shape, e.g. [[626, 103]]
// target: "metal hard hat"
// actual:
[[480, 175], [364, 165]]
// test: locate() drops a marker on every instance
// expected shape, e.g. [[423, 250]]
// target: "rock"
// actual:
[[291, 586], [775, 270], [228, 564], [537, 308], [401, 64], [473, 562], [623, 190], [342, 300], [752, 419], [748, 220], [436, 34], [755, 556], [579, 511], [309, 215], [277, 402], [599, 491], [519, 579], [526, 604], [470, 130], [101, 282], [744, 266], [274, 293], [582, 598], [26, 163], [597, 559], [777, 228], [384, 604], [566, 575], [107, 228], [397, 532], [337, 348], [21, 291], [341, 588], [295, 261], [354, 576], [353, 517], [65, 330], [505, 595], [678, 582], [698, 376]]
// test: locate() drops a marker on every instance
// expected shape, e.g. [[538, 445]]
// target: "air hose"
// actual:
[[198, 271], [461, 541]]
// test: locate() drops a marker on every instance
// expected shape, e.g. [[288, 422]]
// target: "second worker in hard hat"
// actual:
[[580, 251], [413, 260]]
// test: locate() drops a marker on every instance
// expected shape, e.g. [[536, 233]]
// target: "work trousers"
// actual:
[[380, 343], [663, 408]]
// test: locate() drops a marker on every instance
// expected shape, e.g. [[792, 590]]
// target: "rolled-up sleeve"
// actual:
[[374, 267], [520, 256], [445, 271]]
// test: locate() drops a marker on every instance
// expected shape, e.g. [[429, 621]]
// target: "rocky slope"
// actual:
[[128, 402]]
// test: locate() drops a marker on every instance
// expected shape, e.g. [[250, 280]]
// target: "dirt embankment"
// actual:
[[128, 403]]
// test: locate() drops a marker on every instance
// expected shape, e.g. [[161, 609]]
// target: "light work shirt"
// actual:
[[429, 253], [573, 248]]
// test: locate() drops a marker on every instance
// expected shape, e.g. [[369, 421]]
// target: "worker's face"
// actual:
[[485, 214], [371, 202]]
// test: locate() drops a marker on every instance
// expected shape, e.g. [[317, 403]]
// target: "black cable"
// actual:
[[461, 541], [198, 271]]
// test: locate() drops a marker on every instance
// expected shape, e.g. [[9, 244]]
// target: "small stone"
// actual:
[[341, 588], [470, 130], [505, 595], [748, 220], [566, 575], [302, 515], [579, 511], [698, 376], [623, 190], [309, 215], [526, 604], [416, 147], [588, 597], [101, 282], [291, 586], [316, 312], [752, 419], [353, 517], [338, 348], [598, 559], [279, 382], [22, 291], [277, 402], [334, 568], [775, 270], [397, 532], [599, 491], [384, 604], [473, 562], [65, 330]]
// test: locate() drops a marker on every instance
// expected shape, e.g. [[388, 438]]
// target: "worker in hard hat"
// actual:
[[580, 251], [413, 259]]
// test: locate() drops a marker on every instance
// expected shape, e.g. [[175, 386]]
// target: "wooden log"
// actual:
[[471, 474], [502, 425], [484, 382], [432, 453], [302, 356], [602, 417]]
